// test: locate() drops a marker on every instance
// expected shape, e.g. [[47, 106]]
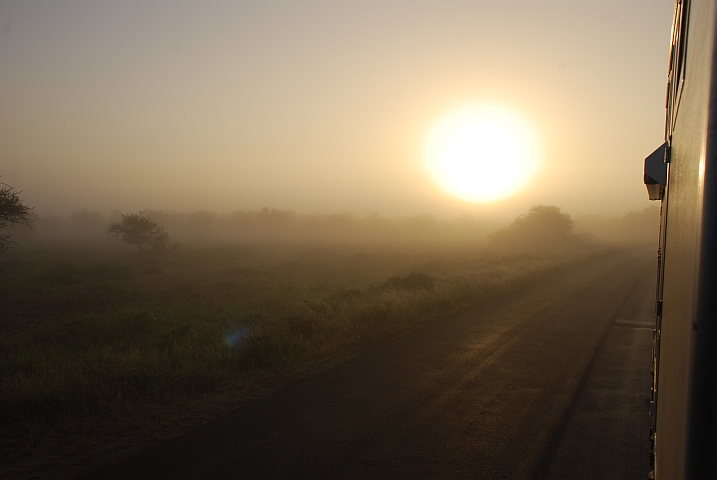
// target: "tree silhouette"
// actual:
[[12, 211], [140, 230]]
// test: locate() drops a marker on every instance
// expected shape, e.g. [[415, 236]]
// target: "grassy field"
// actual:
[[92, 335]]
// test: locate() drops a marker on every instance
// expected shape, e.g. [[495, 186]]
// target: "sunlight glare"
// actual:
[[482, 154]]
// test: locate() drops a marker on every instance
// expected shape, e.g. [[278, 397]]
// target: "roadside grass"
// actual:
[[90, 339]]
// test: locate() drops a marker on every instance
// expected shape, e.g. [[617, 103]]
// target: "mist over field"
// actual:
[[198, 197], [203, 228]]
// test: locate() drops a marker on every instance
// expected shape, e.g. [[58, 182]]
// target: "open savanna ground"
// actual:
[[96, 341]]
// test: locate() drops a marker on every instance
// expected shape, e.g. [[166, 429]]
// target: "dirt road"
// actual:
[[548, 382]]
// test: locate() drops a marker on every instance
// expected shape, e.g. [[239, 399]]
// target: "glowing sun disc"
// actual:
[[482, 154]]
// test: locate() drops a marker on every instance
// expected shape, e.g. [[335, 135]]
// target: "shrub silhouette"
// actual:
[[544, 228], [12, 211], [140, 230]]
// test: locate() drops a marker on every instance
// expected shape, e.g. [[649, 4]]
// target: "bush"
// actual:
[[12, 211], [543, 229], [139, 230]]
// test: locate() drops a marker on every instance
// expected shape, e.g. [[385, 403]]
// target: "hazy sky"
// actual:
[[322, 106]]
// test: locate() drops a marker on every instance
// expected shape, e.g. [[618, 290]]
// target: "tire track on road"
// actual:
[[548, 456]]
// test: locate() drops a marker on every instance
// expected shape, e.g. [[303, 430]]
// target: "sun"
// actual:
[[482, 154]]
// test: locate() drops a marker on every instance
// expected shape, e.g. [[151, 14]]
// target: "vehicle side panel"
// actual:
[[683, 207], [702, 434]]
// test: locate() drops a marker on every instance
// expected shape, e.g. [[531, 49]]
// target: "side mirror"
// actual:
[[656, 173]]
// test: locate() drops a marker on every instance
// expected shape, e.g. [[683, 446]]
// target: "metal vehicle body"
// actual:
[[682, 174]]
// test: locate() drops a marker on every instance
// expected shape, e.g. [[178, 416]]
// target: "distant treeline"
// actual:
[[269, 224], [544, 228]]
